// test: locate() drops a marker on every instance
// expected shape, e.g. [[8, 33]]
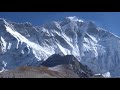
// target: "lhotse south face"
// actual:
[[22, 44]]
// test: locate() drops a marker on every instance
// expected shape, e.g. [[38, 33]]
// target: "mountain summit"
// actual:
[[22, 44]]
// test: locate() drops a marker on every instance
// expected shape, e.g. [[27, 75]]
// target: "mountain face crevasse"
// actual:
[[22, 44]]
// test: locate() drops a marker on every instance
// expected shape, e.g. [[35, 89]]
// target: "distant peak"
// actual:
[[74, 18], [27, 24], [70, 19], [2, 20]]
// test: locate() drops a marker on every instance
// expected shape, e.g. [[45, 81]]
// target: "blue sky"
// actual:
[[107, 20]]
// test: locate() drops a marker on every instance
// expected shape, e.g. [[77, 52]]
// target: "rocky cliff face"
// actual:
[[69, 62]]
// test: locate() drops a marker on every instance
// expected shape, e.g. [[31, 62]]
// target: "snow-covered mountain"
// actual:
[[22, 44]]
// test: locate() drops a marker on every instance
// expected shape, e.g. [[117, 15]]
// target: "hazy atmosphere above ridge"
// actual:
[[107, 20]]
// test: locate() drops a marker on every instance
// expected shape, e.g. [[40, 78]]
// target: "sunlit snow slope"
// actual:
[[22, 44]]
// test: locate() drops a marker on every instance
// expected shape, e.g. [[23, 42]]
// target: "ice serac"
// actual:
[[22, 44]]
